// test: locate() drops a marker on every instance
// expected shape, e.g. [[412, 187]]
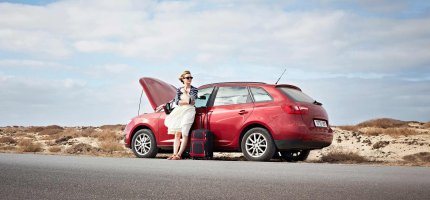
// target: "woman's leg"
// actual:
[[183, 145], [185, 130], [176, 143]]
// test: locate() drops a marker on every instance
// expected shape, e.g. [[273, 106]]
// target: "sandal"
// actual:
[[176, 157], [171, 157]]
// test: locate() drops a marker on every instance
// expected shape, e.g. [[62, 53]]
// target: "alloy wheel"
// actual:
[[256, 144]]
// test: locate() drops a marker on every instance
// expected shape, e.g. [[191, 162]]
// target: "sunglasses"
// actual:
[[189, 78]]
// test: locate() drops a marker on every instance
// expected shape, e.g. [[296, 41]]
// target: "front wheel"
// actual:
[[296, 155], [143, 144], [257, 145]]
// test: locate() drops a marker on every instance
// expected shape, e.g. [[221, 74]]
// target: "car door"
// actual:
[[232, 105]]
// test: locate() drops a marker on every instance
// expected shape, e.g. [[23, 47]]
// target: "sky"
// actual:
[[77, 63]]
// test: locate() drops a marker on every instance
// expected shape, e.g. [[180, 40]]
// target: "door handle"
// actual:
[[242, 112]]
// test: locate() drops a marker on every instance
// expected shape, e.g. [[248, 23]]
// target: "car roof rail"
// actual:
[[238, 82]]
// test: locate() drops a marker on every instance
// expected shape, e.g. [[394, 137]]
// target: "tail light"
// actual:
[[295, 109]]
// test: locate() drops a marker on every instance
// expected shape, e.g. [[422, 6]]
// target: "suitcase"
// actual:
[[202, 141]]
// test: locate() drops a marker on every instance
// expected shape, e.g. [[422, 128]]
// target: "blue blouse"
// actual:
[[193, 94]]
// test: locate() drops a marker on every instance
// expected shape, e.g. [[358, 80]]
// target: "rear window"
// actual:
[[296, 95]]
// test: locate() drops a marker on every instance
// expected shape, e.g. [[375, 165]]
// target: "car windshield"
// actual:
[[296, 95]]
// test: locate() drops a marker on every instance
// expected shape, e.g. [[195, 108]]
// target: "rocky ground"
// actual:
[[381, 141]]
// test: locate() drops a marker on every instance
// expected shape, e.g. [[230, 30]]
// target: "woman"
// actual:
[[181, 119]]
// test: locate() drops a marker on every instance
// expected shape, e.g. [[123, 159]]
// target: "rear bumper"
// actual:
[[300, 144]]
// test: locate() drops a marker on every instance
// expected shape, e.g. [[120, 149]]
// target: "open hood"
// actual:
[[157, 91]]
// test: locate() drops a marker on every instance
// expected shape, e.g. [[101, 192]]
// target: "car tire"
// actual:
[[144, 144], [257, 145], [295, 155]]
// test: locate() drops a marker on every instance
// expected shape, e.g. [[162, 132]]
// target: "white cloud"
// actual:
[[37, 64], [255, 33]]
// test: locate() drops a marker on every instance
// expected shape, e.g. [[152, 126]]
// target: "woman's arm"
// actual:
[[193, 95]]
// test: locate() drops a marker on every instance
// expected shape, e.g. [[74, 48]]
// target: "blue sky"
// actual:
[[78, 62]]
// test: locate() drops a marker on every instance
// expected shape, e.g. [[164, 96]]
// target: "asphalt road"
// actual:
[[29, 176]]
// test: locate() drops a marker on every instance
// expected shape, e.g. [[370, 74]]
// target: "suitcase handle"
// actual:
[[201, 126]]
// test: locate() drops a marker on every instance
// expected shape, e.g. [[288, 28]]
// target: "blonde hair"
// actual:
[[183, 75]]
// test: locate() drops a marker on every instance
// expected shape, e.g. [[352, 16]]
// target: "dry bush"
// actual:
[[383, 123], [118, 127], [7, 140], [7, 148], [395, 132], [339, 156], [63, 140], [81, 148], [108, 136], [418, 157], [110, 146], [427, 125], [35, 129], [88, 132], [51, 130], [27, 145], [350, 128], [380, 144], [372, 131], [54, 149]]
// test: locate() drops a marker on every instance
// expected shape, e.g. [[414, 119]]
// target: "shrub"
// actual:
[[54, 149], [35, 129], [109, 136], [118, 127], [418, 157], [28, 146], [7, 148], [400, 131], [338, 156], [427, 125], [109, 146], [7, 140], [383, 123], [63, 140], [51, 130], [81, 148], [349, 128], [372, 131]]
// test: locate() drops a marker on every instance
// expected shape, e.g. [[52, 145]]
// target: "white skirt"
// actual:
[[180, 119]]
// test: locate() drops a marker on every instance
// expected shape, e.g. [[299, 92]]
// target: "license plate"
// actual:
[[320, 123]]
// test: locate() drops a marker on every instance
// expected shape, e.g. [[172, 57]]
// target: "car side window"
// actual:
[[231, 95], [203, 97], [260, 94]]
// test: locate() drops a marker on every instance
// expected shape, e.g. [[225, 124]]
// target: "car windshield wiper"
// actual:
[[317, 103]]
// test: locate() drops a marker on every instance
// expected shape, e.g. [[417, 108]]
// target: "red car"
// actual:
[[260, 120]]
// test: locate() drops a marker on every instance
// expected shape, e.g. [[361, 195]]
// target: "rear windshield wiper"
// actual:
[[317, 103]]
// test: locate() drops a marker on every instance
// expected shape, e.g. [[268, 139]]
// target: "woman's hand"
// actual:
[[181, 103]]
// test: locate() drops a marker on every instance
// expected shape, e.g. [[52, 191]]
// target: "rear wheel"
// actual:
[[295, 155], [143, 144], [257, 145]]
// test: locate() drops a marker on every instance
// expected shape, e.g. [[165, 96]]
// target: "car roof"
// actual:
[[248, 83]]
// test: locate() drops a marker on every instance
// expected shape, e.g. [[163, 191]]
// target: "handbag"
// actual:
[[168, 107]]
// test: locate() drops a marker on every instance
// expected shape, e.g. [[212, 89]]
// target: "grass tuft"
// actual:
[[339, 156], [418, 157]]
